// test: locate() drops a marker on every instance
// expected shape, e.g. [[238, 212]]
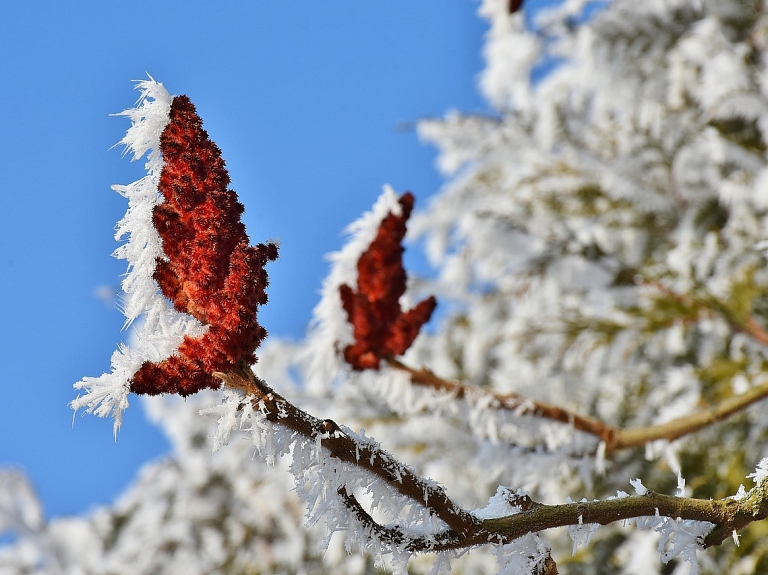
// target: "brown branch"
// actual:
[[728, 515], [511, 401], [549, 567], [615, 438], [749, 326], [362, 455], [688, 424], [395, 536], [445, 541], [755, 330], [390, 535]]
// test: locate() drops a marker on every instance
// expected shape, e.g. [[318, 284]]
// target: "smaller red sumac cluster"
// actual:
[[381, 329]]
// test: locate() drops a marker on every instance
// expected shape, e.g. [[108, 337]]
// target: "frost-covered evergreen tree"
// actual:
[[601, 327]]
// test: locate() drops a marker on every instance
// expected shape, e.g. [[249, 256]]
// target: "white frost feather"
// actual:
[[163, 328], [761, 472]]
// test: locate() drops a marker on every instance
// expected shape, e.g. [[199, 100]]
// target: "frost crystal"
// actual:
[[761, 473], [526, 554], [504, 502], [640, 489], [581, 535], [682, 538]]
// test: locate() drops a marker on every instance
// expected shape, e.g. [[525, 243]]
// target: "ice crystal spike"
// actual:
[[381, 328]]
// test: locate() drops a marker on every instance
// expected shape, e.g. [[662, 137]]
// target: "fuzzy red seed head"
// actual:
[[381, 328], [210, 272]]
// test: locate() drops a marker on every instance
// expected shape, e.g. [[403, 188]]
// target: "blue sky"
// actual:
[[306, 99]]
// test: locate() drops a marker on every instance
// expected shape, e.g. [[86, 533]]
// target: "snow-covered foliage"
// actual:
[[20, 510], [600, 233], [595, 247]]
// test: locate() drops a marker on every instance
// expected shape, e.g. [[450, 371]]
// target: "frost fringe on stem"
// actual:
[[465, 529], [615, 438]]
